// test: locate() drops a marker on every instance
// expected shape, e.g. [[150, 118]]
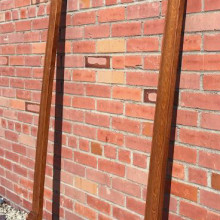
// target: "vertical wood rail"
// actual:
[[164, 109], [44, 115]]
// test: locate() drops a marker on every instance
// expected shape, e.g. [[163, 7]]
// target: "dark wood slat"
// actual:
[[45, 106], [164, 109]]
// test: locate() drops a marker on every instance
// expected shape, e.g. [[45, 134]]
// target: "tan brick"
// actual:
[[111, 77], [2, 17], [111, 46], [26, 140], [17, 104], [4, 102], [86, 185], [38, 48]]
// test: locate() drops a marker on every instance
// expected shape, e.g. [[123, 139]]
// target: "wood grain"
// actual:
[[44, 115], [164, 109]]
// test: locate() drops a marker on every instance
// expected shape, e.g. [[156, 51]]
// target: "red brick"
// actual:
[[7, 4], [141, 79], [74, 61], [111, 167], [83, 145], [84, 131], [83, 102], [74, 33], [17, 60], [192, 43], [7, 28], [135, 205], [3, 61], [84, 47], [212, 42], [23, 49], [72, 5], [152, 62], [98, 177], [185, 154], [143, 10], [202, 22], [23, 25], [212, 5], [143, 44], [98, 204], [210, 121], [213, 216], [111, 195], [97, 31], [102, 217], [200, 138], [189, 81], [75, 89], [126, 187], [186, 117], [124, 156], [110, 137], [84, 75], [114, 107], [9, 135], [122, 214], [126, 29], [192, 211], [211, 82], [97, 119], [176, 170], [138, 143], [139, 111], [111, 14], [85, 211], [98, 90], [126, 93], [84, 18], [184, 191], [118, 62], [111, 2], [133, 61], [73, 115], [110, 152], [33, 61], [137, 175], [40, 23], [154, 26], [85, 159], [21, 3], [194, 6], [210, 199], [74, 168], [139, 160], [209, 160], [197, 176], [200, 100]]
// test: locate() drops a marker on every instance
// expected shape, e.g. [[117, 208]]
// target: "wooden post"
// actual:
[[45, 106], [164, 109]]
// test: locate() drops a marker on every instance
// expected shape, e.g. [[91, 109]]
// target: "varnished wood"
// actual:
[[44, 115], [164, 109]]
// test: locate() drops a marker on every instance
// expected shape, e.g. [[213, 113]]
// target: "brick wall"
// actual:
[[108, 90]]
